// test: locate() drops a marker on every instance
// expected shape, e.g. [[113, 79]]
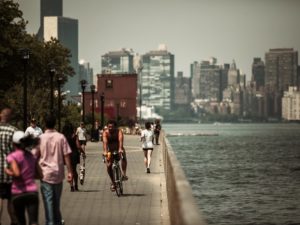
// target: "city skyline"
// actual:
[[193, 30]]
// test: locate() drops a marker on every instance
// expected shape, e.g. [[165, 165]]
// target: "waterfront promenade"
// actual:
[[144, 201]]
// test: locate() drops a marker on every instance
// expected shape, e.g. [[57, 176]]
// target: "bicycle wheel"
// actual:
[[117, 179], [120, 181]]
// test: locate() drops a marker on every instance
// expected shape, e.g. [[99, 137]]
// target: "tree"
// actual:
[[12, 27], [12, 39]]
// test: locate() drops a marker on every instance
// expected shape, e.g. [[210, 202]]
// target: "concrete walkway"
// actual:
[[144, 201]]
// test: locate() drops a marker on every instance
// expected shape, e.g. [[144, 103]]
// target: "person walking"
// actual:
[[113, 141], [82, 137], [6, 147], [147, 145], [157, 128], [53, 152], [33, 129], [70, 134], [24, 168]]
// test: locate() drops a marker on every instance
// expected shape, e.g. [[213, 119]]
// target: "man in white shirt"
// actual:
[[81, 134], [33, 129]]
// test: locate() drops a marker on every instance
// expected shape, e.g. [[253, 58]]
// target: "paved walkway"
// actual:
[[143, 202]]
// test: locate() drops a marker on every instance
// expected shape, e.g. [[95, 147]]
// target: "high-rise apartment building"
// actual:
[[281, 66], [258, 73], [210, 80], [66, 31], [182, 90], [224, 76], [195, 76], [291, 104], [117, 62], [158, 78]]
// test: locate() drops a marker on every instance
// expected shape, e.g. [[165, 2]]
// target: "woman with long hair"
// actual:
[[70, 134]]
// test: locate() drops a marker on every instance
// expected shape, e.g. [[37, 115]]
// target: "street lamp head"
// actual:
[[52, 69], [93, 87], [25, 54], [59, 79], [83, 84]]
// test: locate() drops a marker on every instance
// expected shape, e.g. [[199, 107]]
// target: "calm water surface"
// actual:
[[245, 173]]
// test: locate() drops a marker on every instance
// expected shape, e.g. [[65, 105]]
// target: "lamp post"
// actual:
[[93, 87], [25, 57], [138, 65], [52, 71], [83, 84], [59, 82], [102, 110]]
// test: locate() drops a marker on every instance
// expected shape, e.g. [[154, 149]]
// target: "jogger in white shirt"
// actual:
[[147, 145]]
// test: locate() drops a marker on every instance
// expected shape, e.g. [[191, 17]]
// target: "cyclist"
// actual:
[[113, 141]]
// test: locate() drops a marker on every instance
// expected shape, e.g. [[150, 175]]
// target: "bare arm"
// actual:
[[69, 167], [121, 140], [105, 148], [13, 170]]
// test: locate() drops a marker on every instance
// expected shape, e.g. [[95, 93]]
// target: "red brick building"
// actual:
[[120, 96]]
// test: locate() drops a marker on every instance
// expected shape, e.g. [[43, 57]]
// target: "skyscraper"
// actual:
[[210, 80], [195, 76], [86, 73], [49, 8], [117, 62], [158, 78], [182, 90], [281, 69], [258, 73], [233, 75], [66, 31]]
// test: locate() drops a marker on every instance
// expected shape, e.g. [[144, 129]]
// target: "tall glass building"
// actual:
[[157, 79], [66, 31], [117, 62]]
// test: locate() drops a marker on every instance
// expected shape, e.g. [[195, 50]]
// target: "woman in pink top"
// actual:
[[24, 169]]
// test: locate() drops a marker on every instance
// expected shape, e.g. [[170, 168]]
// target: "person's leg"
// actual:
[[75, 176], [18, 202], [5, 193], [32, 201], [124, 166], [1, 208], [110, 174], [149, 154], [83, 143], [56, 202], [145, 158], [47, 194]]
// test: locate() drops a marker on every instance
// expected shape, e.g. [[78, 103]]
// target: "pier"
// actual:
[[163, 197]]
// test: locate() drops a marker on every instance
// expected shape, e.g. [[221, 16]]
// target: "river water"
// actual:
[[242, 173]]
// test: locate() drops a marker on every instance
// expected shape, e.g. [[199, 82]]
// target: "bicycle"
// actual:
[[116, 171], [117, 175]]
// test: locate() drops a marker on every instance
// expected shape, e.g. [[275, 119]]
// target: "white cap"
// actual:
[[18, 135]]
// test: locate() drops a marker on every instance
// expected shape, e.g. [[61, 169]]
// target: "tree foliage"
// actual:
[[13, 38]]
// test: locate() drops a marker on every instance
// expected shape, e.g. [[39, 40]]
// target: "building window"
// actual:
[[123, 104], [109, 84]]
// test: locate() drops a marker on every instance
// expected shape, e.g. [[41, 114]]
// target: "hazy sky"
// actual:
[[193, 30]]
